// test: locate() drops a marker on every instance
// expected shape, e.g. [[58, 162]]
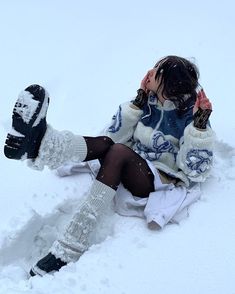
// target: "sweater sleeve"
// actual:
[[196, 153], [123, 123]]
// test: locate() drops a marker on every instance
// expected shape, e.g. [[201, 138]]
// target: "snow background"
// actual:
[[91, 56]]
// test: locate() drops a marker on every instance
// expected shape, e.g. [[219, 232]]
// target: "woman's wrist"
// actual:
[[200, 118], [140, 99]]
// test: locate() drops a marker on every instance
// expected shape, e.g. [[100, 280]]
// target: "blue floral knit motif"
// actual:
[[116, 122], [160, 146], [145, 152], [199, 159]]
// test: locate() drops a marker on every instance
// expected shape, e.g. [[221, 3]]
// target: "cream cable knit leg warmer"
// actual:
[[75, 240], [57, 147]]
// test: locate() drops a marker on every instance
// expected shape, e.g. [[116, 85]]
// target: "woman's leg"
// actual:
[[97, 147], [31, 137], [59, 147], [122, 165], [119, 164]]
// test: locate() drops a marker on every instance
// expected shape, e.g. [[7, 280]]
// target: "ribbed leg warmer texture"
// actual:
[[58, 147], [75, 240]]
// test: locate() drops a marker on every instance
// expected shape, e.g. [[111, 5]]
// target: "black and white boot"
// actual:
[[32, 138], [47, 264], [28, 123]]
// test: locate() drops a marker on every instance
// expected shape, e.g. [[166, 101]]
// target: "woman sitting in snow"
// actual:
[[155, 149]]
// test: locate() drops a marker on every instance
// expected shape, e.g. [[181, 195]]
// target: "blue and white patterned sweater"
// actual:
[[170, 141]]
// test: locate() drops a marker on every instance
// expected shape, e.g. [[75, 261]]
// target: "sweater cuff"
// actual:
[[201, 137], [133, 114]]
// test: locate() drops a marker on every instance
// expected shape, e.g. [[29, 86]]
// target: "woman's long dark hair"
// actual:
[[178, 80]]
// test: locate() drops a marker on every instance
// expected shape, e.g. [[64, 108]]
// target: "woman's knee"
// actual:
[[107, 141], [119, 148], [118, 152]]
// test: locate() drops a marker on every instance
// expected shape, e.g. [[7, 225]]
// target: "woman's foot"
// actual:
[[28, 123], [46, 265]]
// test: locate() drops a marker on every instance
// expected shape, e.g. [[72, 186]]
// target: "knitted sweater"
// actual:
[[166, 138]]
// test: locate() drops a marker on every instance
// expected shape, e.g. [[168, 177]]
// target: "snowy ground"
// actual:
[[91, 57]]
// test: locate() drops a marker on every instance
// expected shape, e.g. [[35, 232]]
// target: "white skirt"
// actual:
[[168, 203]]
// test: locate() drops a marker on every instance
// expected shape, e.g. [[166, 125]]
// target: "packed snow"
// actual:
[[91, 56]]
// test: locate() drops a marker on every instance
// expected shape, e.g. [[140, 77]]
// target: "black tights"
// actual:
[[120, 164]]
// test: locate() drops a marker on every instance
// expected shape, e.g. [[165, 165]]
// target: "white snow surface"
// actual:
[[91, 56]]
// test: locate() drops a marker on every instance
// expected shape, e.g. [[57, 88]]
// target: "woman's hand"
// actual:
[[142, 93], [144, 82], [202, 102], [202, 110]]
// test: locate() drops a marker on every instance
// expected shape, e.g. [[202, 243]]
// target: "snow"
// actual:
[[91, 56]]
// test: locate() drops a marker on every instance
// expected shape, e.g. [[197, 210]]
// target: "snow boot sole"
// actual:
[[28, 123]]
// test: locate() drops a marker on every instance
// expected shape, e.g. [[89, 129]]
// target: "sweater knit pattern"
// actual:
[[167, 138]]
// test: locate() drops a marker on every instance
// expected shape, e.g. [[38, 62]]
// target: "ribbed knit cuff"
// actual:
[[80, 148], [75, 240], [101, 195], [57, 148]]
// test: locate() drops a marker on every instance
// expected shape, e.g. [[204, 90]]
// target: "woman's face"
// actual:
[[152, 84]]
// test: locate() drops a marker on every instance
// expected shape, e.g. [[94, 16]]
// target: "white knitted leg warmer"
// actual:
[[75, 240], [57, 147]]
